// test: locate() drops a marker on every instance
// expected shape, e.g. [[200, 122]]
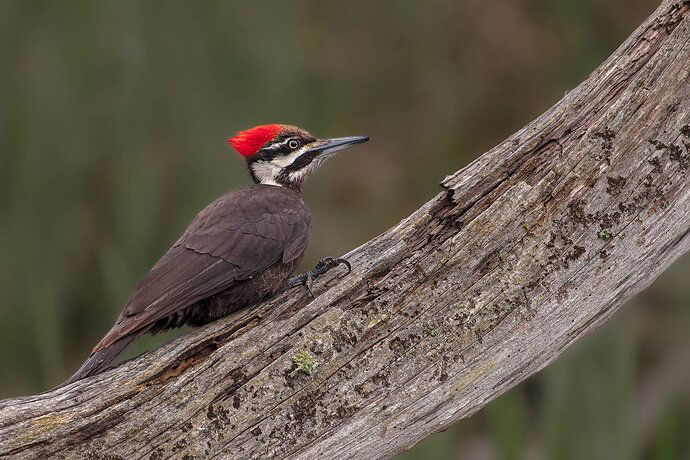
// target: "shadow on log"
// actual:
[[523, 252]]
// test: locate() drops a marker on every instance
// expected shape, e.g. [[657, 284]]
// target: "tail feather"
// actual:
[[100, 359]]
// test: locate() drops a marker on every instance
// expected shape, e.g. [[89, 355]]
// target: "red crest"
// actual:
[[248, 142]]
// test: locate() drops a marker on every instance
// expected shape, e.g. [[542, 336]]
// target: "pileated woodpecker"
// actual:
[[240, 250]]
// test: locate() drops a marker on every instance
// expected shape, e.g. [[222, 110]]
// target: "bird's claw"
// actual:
[[346, 263], [327, 263], [322, 266]]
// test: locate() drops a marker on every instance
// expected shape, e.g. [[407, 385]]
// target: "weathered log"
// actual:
[[522, 253]]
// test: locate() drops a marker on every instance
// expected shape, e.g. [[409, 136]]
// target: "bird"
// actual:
[[240, 250]]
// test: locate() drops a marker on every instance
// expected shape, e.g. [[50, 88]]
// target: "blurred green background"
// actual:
[[113, 120]]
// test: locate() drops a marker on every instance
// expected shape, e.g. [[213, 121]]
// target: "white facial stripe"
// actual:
[[286, 160], [266, 172], [314, 165]]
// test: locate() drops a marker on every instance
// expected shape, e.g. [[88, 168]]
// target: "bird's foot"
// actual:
[[322, 266]]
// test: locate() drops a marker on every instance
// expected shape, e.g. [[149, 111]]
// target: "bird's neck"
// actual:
[[294, 186], [266, 174]]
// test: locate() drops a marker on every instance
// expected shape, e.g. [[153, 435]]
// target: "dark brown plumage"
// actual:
[[238, 251]]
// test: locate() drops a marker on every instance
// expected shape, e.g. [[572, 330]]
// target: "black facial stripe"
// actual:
[[269, 154], [283, 177], [301, 161]]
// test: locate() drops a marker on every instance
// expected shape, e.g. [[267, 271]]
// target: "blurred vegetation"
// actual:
[[113, 120]]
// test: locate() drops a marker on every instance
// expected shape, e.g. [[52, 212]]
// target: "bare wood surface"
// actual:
[[523, 252]]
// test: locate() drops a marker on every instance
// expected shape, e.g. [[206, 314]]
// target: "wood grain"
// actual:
[[521, 253]]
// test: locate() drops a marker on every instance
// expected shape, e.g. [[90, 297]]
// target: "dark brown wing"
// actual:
[[235, 237]]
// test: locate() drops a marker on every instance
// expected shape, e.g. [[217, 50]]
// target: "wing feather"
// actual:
[[235, 237]]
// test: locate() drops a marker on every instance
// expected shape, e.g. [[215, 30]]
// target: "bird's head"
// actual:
[[284, 155]]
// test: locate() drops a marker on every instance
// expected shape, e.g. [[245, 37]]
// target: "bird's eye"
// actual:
[[293, 144]]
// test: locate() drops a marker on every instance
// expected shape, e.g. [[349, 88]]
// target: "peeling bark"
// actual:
[[524, 251]]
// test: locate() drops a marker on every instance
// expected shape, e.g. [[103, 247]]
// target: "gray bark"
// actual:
[[522, 253]]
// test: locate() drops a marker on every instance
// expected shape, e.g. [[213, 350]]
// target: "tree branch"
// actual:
[[523, 252]]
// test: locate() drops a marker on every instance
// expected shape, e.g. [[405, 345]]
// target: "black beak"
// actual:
[[338, 143]]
